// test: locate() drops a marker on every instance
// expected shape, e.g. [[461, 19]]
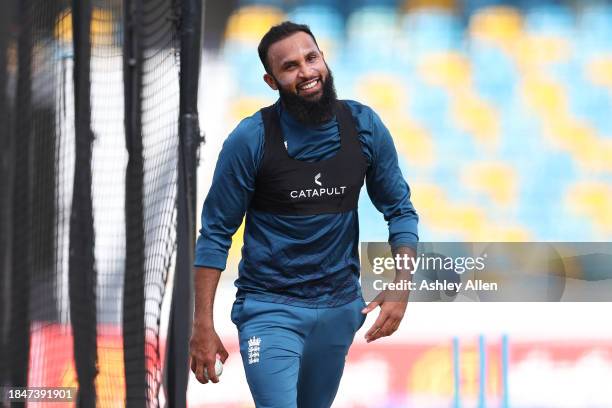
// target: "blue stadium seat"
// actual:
[[272, 3], [360, 4], [331, 4], [431, 30], [248, 71], [427, 103], [371, 33], [495, 82], [472, 6], [521, 141], [550, 19], [591, 103], [326, 23], [542, 193], [595, 29]]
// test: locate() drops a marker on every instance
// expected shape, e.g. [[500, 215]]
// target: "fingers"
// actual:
[[372, 305], [378, 324], [385, 325], [210, 369], [198, 370], [223, 354], [388, 328], [193, 364], [369, 307], [204, 347]]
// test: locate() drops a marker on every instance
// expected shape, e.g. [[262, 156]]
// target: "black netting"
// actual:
[[89, 185]]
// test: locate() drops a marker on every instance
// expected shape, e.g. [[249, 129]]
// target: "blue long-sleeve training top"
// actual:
[[309, 260]]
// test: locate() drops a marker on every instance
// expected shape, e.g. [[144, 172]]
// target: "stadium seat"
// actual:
[[371, 37], [427, 104], [431, 31], [591, 103], [413, 142], [246, 106], [265, 3], [381, 91], [599, 70], [250, 23], [450, 70], [497, 82], [244, 30], [546, 97], [495, 179], [592, 199], [326, 23], [478, 118], [550, 32], [500, 25], [552, 19], [594, 30], [416, 5]]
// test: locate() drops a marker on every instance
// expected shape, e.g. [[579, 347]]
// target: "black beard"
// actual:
[[311, 113]]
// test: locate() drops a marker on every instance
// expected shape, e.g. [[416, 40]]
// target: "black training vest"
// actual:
[[288, 186]]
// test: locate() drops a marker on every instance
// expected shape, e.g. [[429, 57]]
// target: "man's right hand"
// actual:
[[204, 347]]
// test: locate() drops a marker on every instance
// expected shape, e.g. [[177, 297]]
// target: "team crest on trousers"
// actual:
[[254, 347]]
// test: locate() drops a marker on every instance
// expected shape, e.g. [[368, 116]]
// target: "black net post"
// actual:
[[6, 187], [133, 286], [21, 263], [81, 264], [7, 167], [189, 140]]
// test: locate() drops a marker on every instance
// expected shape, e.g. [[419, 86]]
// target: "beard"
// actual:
[[311, 112]]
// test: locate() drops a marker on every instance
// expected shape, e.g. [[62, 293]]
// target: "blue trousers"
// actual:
[[294, 356]]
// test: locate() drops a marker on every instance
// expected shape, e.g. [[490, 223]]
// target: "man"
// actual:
[[296, 169]]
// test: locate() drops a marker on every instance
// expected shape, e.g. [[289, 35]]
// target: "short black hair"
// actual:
[[277, 33]]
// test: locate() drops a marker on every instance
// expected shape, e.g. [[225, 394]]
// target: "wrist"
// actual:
[[204, 323], [401, 275]]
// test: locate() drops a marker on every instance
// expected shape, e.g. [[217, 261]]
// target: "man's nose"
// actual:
[[304, 71]]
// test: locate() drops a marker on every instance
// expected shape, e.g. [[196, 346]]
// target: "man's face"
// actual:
[[302, 78], [297, 67]]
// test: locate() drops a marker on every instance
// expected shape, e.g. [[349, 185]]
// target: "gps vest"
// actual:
[[287, 186]]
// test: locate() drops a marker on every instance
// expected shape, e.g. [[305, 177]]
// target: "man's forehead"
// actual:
[[291, 47]]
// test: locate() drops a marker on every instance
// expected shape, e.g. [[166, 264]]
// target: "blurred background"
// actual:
[[500, 112]]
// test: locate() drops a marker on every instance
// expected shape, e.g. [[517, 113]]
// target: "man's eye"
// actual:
[[312, 57]]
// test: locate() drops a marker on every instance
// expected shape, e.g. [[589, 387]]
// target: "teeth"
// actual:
[[310, 84]]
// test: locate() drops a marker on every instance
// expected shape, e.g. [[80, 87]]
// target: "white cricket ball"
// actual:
[[218, 369]]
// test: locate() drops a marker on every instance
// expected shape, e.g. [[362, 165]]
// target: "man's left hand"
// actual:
[[392, 309]]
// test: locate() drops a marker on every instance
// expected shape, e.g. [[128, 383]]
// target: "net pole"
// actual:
[[81, 263], [21, 262], [6, 187], [189, 140], [133, 286]]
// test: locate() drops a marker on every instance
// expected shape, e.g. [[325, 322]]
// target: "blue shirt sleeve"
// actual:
[[385, 183], [230, 192]]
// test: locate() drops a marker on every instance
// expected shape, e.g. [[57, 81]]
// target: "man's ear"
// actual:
[[270, 81]]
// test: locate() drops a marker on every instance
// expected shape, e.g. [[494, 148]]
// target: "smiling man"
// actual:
[[296, 169]]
